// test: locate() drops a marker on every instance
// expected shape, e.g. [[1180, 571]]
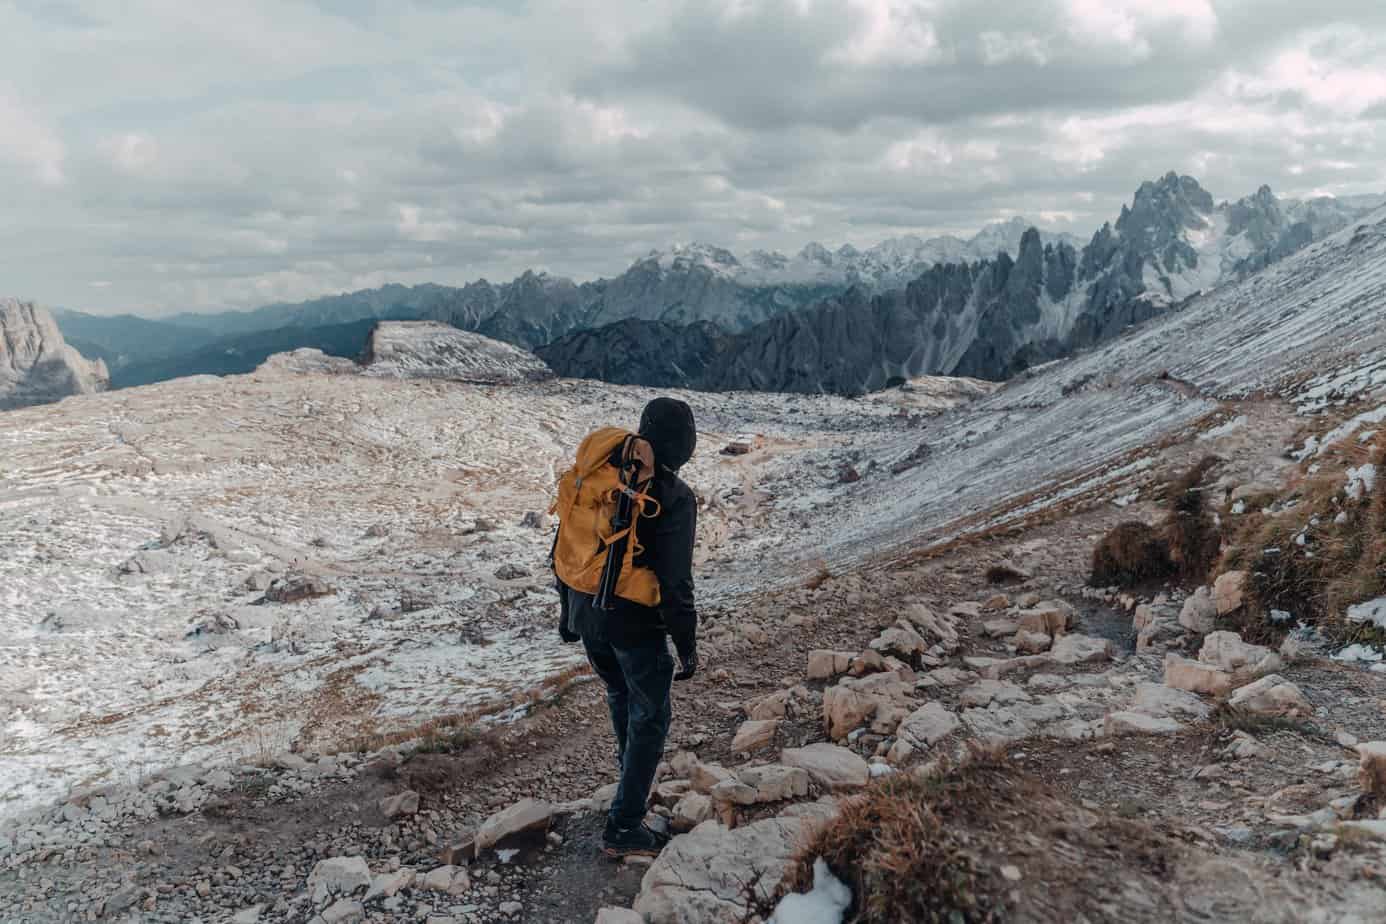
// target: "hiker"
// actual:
[[643, 598]]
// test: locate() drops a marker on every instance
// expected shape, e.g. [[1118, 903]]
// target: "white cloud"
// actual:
[[283, 149], [28, 140]]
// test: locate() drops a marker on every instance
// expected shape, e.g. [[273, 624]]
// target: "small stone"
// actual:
[[928, 725], [400, 804], [1195, 676], [1200, 612], [1138, 723], [1010, 873], [338, 876], [754, 735], [1229, 592], [1272, 695], [343, 911], [523, 817]]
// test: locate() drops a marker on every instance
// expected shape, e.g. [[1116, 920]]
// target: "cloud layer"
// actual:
[[168, 156]]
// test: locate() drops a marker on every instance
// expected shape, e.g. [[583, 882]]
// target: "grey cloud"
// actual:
[[481, 139]]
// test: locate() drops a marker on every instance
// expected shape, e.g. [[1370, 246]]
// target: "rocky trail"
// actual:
[[1139, 800]]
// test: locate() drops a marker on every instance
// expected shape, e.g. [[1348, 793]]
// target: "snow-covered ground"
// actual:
[[131, 522]]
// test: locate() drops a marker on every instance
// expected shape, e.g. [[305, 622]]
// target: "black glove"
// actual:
[[565, 631], [688, 663]]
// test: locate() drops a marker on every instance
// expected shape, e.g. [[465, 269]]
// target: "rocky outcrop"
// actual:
[[36, 365], [426, 349]]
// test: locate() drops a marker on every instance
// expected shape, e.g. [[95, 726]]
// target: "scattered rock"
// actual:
[[1371, 772], [845, 709], [902, 641], [1080, 649], [450, 879], [999, 628], [928, 725], [1027, 642], [691, 810], [338, 876], [342, 911], [1139, 723], [754, 735], [1157, 699], [1229, 592], [1200, 612], [618, 916], [404, 803], [511, 572], [295, 589], [1195, 676], [706, 875], [524, 817], [832, 767], [1272, 695], [1243, 661], [824, 665], [1050, 619]]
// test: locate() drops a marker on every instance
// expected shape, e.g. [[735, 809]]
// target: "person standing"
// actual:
[[628, 644]]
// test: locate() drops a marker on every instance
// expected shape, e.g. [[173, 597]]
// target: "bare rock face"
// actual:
[[426, 349], [36, 365]]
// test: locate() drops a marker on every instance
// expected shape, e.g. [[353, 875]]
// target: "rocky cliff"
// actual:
[[36, 365]]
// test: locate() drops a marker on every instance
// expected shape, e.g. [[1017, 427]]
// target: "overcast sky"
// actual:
[[162, 155]]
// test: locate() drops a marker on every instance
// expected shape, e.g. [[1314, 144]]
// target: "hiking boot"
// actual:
[[639, 841]]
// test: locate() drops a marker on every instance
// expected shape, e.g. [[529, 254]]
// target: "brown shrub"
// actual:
[[1006, 574], [1193, 539], [1132, 553], [1342, 558], [903, 847]]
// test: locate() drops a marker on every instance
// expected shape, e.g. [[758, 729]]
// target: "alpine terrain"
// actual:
[[1102, 642]]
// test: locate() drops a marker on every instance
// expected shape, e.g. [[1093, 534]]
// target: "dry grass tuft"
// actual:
[[1323, 552], [1185, 545], [1005, 574], [1193, 539], [904, 849], [1132, 553]]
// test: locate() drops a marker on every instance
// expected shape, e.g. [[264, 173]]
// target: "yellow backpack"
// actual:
[[598, 505]]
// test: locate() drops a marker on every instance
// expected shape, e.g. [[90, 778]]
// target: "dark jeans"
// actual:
[[637, 680]]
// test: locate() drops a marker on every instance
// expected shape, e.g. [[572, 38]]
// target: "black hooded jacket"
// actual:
[[667, 541]]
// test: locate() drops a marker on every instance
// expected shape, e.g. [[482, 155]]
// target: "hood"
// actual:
[[668, 424]]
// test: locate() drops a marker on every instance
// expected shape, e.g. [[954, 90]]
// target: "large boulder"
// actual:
[[712, 875], [830, 766]]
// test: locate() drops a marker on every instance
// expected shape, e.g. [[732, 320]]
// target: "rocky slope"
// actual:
[[36, 365], [428, 349], [988, 318]]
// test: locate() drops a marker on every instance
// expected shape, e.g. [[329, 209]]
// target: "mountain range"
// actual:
[[987, 319], [842, 320]]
